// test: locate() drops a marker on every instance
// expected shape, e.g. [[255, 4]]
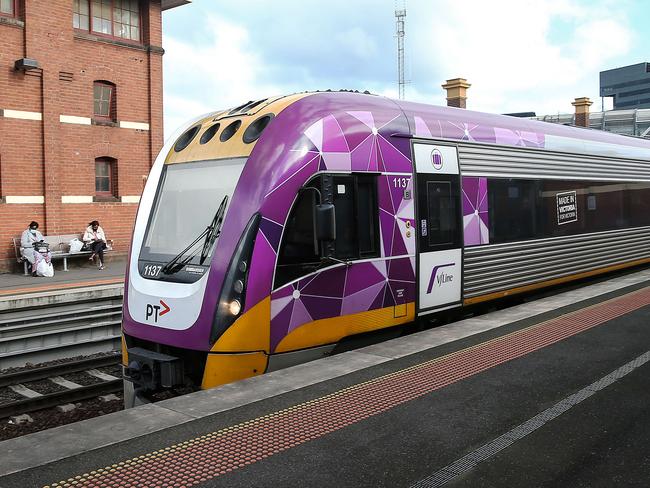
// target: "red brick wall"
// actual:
[[54, 159]]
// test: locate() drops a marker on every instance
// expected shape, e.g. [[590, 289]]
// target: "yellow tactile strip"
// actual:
[[215, 454]]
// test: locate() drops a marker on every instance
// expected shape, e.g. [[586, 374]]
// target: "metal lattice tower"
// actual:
[[400, 15]]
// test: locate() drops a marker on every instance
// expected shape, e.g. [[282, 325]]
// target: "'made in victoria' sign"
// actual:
[[567, 207]]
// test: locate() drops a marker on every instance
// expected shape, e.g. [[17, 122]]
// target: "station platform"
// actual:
[[548, 393], [16, 289]]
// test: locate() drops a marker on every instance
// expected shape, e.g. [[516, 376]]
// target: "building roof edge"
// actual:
[[169, 4]]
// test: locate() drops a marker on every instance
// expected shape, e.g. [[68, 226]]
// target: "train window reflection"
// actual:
[[528, 209], [357, 225], [188, 197], [299, 253]]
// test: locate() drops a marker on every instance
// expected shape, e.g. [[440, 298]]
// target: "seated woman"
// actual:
[[27, 250], [95, 239]]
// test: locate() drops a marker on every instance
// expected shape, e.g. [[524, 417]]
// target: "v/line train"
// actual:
[[268, 233]]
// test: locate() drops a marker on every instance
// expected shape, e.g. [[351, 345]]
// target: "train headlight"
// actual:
[[234, 307], [232, 298]]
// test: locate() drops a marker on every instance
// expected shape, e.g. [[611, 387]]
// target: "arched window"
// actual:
[[104, 100], [105, 177]]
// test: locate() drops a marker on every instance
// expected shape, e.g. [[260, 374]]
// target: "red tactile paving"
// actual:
[[200, 459]]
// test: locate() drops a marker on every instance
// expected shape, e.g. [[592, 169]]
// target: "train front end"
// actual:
[[190, 259]]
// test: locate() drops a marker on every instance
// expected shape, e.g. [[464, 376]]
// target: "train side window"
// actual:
[[357, 225], [515, 209], [638, 198]]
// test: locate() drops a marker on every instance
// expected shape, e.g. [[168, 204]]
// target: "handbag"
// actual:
[[44, 269], [41, 246], [76, 245]]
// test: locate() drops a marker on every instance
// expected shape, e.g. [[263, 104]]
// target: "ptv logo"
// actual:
[[154, 310], [441, 278]]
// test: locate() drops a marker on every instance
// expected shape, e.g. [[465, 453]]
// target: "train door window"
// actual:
[[347, 242], [441, 210], [357, 216], [367, 216], [299, 252]]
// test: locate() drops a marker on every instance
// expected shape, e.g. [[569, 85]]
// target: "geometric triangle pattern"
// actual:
[[475, 210], [360, 141], [347, 141], [429, 124], [341, 290], [518, 138], [363, 141]]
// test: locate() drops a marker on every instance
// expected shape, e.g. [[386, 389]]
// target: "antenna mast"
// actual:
[[400, 15]]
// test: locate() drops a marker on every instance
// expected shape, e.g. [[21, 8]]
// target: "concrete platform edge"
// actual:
[[56, 297], [70, 440]]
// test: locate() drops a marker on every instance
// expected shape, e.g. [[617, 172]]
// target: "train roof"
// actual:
[[235, 132]]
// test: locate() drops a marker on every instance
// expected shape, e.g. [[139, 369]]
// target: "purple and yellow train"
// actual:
[[268, 233]]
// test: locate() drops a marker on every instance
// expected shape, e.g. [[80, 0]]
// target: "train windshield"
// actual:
[[189, 197]]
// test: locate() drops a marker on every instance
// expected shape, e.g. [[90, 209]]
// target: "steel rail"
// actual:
[[50, 400], [44, 372]]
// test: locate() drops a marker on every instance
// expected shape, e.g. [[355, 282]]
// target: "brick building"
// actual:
[[80, 114]]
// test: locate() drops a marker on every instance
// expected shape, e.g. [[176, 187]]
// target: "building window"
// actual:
[[80, 14], [126, 19], [104, 100], [105, 177], [114, 18], [8, 8]]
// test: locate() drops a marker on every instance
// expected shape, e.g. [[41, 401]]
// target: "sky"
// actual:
[[518, 55]]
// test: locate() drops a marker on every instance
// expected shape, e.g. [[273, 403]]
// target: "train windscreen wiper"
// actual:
[[210, 234], [214, 229]]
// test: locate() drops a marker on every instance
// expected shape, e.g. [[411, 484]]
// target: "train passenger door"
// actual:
[[439, 226]]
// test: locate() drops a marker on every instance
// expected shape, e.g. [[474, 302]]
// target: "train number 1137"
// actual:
[[401, 182], [151, 270]]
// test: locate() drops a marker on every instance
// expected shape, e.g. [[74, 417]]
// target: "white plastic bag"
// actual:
[[76, 245], [44, 269]]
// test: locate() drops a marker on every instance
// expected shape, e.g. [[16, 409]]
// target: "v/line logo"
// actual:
[[441, 278]]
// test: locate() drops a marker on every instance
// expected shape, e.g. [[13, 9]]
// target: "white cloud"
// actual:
[[356, 42], [517, 54], [520, 54], [221, 72]]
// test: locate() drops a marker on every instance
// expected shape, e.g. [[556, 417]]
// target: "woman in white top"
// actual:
[[95, 239], [30, 236]]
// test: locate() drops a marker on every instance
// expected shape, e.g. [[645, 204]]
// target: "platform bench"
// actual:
[[59, 247]]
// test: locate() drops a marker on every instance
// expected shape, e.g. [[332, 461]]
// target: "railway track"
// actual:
[[67, 391]]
